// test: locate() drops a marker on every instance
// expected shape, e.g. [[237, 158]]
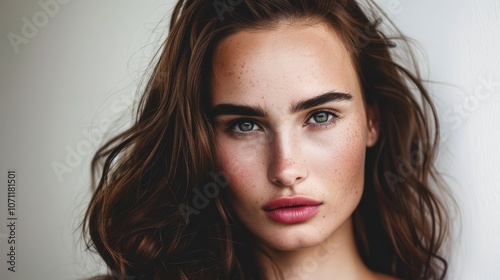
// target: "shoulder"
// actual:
[[380, 276]]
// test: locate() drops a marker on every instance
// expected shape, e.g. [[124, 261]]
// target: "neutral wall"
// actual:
[[68, 80], [76, 74], [461, 40]]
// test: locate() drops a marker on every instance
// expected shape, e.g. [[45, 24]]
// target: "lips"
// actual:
[[290, 210]]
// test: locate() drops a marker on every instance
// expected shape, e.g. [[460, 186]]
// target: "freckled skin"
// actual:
[[286, 156]]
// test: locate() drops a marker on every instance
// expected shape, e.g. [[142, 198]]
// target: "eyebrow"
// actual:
[[240, 110], [320, 100], [257, 111]]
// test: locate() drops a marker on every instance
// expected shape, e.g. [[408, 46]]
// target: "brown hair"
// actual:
[[141, 219]]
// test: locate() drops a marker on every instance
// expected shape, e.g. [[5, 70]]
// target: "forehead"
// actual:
[[289, 57]]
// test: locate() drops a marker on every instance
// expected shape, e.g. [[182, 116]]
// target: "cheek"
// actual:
[[350, 155], [339, 160], [234, 159], [241, 169]]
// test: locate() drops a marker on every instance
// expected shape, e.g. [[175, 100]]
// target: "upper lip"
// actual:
[[290, 202]]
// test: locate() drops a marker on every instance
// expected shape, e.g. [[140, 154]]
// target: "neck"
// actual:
[[335, 258]]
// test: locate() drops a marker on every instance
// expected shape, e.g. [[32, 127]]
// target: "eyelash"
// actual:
[[231, 128], [333, 120]]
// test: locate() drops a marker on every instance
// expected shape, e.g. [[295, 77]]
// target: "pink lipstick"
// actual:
[[291, 210]]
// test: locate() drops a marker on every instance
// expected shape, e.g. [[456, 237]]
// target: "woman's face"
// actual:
[[291, 132]]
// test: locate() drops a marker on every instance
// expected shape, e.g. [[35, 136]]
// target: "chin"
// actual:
[[294, 238]]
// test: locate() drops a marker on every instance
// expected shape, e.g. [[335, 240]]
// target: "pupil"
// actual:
[[246, 126], [321, 117]]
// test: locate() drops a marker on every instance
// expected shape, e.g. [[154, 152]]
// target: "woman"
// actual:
[[276, 139]]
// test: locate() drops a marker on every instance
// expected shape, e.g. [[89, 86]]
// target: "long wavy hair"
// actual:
[[146, 178]]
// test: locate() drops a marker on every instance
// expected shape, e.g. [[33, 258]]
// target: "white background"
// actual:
[[69, 83]]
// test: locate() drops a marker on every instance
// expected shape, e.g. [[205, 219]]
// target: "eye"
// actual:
[[323, 118], [244, 126]]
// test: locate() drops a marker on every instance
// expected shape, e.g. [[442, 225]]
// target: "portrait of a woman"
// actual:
[[275, 139]]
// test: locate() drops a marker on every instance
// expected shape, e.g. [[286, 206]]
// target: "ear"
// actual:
[[373, 124]]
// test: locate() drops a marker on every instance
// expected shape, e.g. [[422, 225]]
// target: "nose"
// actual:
[[287, 165]]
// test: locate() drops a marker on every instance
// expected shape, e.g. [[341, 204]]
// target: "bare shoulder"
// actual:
[[380, 276]]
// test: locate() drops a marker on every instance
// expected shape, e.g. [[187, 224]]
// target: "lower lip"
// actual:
[[293, 215]]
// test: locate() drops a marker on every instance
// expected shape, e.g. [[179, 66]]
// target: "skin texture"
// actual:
[[317, 152]]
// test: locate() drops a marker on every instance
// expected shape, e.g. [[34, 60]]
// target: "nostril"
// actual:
[[287, 174]]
